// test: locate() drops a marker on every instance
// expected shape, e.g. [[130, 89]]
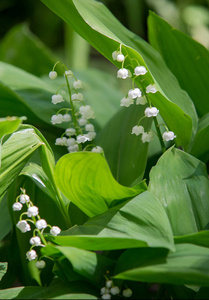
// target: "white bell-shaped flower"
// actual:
[[115, 290], [126, 101], [151, 112], [97, 149], [137, 130], [134, 93], [66, 118], [55, 230], [31, 255], [77, 96], [40, 264], [32, 211], [123, 73], [57, 99], [72, 149], [82, 138], [168, 136], [70, 131], [151, 89], [141, 100], [147, 137], [35, 241], [77, 84], [23, 226], [140, 70], [41, 224], [127, 293], [86, 112], [24, 198], [52, 75], [57, 119], [17, 206]]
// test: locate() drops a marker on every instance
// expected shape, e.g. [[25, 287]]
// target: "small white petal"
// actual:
[[35, 241], [134, 93], [97, 149], [17, 206], [140, 70], [82, 122], [57, 99], [151, 112], [66, 118], [137, 130], [89, 127], [70, 131], [82, 138], [55, 230], [24, 198], [77, 84], [127, 293], [126, 102], [141, 100], [40, 264], [72, 149], [123, 73], [23, 226], [71, 142], [147, 137], [77, 96], [31, 255], [86, 112], [168, 136], [41, 224], [32, 211], [52, 75], [57, 119], [61, 141], [120, 57], [151, 89]]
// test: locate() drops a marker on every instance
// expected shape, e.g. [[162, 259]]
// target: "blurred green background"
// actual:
[[190, 16]]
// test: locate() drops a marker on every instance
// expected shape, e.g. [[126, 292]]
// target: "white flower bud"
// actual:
[[104, 290], [82, 138], [56, 119], [168, 136], [66, 118], [77, 96], [77, 84], [89, 127], [97, 149], [32, 211], [151, 112], [70, 131], [137, 130], [35, 241], [115, 55], [71, 142], [41, 224], [147, 137], [151, 89], [24, 198], [55, 230], [120, 57], [127, 293], [91, 135], [109, 284], [52, 75], [72, 149], [123, 73], [82, 122], [31, 255], [23, 226], [69, 74], [115, 290], [61, 141], [57, 99], [126, 102], [140, 70], [141, 100], [106, 296], [17, 206], [86, 112], [40, 264], [134, 93]]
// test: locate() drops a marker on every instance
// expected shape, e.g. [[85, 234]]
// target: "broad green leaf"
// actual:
[[23, 49], [86, 180], [60, 291], [15, 152], [187, 265], [140, 222], [98, 26], [3, 269], [200, 148], [180, 182], [125, 152], [186, 58], [200, 238], [86, 263], [9, 125], [5, 221]]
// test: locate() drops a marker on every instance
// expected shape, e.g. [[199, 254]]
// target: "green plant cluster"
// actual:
[[132, 215]]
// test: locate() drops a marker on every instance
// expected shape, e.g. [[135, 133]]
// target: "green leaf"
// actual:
[[3, 269], [9, 125], [86, 263], [85, 179], [200, 238], [200, 148], [98, 26], [140, 222], [180, 182], [15, 152], [29, 52], [125, 152], [186, 58], [59, 291], [187, 265], [5, 221]]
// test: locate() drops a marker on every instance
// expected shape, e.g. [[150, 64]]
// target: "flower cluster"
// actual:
[[40, 224], [110, 290], [78, 115], [140, 97]]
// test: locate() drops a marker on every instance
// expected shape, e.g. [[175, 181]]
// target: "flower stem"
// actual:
[[159, 134]]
